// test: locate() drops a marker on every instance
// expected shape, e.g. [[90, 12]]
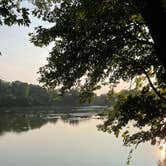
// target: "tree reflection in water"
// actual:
[[22, 122]]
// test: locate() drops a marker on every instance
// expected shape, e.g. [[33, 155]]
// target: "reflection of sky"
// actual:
[[61, 144]]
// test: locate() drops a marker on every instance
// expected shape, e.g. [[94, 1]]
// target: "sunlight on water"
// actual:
[[163, 151]]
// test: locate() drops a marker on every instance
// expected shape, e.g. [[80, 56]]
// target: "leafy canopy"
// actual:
[[103, 42], [99, 39]]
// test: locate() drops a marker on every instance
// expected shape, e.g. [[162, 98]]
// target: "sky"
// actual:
[[21, 60]]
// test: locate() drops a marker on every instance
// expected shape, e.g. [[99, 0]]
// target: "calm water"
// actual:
[[64, 140]]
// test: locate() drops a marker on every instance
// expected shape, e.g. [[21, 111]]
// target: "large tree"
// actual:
[[104, 41]]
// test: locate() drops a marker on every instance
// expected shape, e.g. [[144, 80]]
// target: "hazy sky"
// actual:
[[20, 59]]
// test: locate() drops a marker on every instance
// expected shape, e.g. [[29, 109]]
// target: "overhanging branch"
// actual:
[[152, 86]]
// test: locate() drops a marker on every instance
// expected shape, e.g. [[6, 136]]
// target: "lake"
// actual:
[[65, 140]]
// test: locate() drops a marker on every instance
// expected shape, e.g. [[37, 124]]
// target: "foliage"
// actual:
[[22, 94], [137, 110], [103, 42], [19, 94], [12, 12]]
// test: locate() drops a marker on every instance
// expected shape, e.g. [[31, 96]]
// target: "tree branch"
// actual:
[[152, 86]]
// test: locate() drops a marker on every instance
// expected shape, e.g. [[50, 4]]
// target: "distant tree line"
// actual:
[[20, 94]]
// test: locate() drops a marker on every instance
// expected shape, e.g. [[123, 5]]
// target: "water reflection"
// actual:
[[22, 122], [61, 134]]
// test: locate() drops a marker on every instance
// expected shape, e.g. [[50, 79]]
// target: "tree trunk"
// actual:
[[154, 13]]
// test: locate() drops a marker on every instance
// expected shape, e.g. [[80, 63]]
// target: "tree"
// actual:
[[154, 15], [114, 39], [110, 40], [20, 94]]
